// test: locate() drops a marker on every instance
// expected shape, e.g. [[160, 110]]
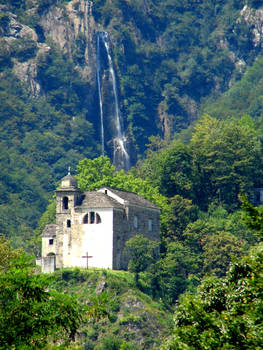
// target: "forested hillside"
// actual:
[[176, 86], [172, 59]]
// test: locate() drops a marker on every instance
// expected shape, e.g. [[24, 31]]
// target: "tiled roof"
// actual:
[[95, 199], [133, 198]]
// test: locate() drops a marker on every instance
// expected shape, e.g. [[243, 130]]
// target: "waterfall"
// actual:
[[121, 158], [100, 98]]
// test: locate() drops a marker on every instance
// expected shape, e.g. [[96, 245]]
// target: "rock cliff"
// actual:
[[63, 25], [161, 88]]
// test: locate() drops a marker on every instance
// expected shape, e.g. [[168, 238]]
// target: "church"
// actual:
[[92, 227]]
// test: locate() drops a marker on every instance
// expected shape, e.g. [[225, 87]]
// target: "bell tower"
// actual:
[[68, 194], [67, 197]]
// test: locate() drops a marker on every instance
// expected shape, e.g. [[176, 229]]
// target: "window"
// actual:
[[51, 242], [98, 219], [65, 203], [135, 222], [86, 219], [92, 218], [150, 225], [68, 223]]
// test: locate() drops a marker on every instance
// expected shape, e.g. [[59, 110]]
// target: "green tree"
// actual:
[[169, 167], [32, 314], [224, 313], [217, 237], [181, 212], [171, 275], [253, 217], [176, 176], [218, 250], [8, 255], [142, 253], [227, 160], [94, 173]]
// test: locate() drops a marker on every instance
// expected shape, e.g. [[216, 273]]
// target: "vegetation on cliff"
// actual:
[[31, 314], [225, 313], [190, 90], [170, 58]]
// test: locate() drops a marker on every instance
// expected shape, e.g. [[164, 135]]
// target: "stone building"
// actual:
[[92, 227]]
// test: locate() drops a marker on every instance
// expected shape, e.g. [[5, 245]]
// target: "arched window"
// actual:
[[98, 219], [92, 217], [51, 254], [65, 203], [68, 223], [86, 219]]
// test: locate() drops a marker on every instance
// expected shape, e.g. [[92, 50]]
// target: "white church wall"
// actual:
[[95, 239], [48, 245]]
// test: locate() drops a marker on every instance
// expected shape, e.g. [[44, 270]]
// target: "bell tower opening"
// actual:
[[65, 203]]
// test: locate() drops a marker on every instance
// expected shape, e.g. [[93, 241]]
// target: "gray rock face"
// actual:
[[254, 18], [63, 25], [101, 287]]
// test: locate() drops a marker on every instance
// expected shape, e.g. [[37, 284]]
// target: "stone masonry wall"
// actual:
[[124, 223]]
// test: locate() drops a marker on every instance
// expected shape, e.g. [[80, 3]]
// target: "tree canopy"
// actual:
[[224, 313], [32, 314]]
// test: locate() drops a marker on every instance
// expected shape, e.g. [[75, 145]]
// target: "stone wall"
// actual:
[[127, 223], [49, 264], [120, 236]]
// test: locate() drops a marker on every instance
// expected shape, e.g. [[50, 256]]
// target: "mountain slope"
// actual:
[[134, 317], [169, 57]]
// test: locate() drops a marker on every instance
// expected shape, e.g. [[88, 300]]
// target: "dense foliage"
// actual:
[[245, 97], [224, 313], [170, 57], [170, 52], [172, 60], [221, 160], [32, 315], [37, 144]]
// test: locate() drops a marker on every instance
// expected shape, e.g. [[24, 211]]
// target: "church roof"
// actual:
[[132, 198], [113, 198], [93, 199], [69, 181], [69, 177]]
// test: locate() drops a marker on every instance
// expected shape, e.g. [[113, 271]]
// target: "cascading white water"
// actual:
[[100, 98], [121, 157]]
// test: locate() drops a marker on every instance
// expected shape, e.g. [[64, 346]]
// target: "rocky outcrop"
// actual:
[[63, 25], [166, 120], [254, 19], [21, 43]]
